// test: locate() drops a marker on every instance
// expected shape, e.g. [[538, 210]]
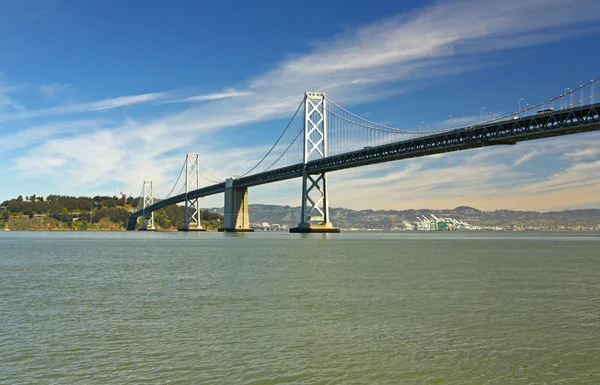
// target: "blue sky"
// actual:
[[99, 94]]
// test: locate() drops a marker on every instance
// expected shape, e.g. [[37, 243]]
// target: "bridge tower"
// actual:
[[191, 220], [315, 202], [147, 200]]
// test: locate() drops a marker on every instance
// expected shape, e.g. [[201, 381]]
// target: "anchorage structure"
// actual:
[[191, 221], [315, 204], [148, 200]]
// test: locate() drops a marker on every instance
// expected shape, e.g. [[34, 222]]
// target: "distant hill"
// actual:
[[584, 219]]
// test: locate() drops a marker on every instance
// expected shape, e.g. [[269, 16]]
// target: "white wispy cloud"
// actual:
[[100, 105], [39, 134], [7, 102], [524, 158], [106, 104], [51, 89], [575, 176], [230, 93], [588, 152]]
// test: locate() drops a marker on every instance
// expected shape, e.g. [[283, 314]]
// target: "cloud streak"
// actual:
[[230, 93], [51, 89], [101, 105], [7, 102], [40, 134], [524, 158], [106, 104]]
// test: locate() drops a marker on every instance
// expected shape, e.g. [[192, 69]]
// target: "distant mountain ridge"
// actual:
[[581, 219]]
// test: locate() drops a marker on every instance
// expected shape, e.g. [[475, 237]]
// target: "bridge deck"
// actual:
[[503, 132]]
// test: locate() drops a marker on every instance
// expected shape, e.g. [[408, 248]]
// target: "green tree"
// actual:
[[113, 214]]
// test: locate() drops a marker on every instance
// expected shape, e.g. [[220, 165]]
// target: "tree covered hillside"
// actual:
[[57, 212]]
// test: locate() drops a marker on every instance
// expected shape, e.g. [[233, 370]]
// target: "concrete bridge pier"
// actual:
[[236, 218]]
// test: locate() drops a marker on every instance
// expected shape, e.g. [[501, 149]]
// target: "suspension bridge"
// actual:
[[322, 137]]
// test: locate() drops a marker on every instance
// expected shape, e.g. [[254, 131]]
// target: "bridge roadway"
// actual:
[[501, 132]]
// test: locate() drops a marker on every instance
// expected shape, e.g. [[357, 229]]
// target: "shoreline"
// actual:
[[345, 230]]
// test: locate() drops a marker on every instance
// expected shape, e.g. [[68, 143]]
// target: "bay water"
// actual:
[[275, 308]]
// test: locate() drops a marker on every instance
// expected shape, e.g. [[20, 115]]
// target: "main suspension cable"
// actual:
[[217, 180], [278, 139], [177, 181], [209, 180], [286, 150]]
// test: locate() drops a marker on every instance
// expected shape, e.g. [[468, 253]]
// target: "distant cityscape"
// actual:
[[432, 223], [463, 218]]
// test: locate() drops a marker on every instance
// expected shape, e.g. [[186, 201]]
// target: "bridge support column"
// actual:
[[147, 199], [236, 217], [315, 205], [191, 221]]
